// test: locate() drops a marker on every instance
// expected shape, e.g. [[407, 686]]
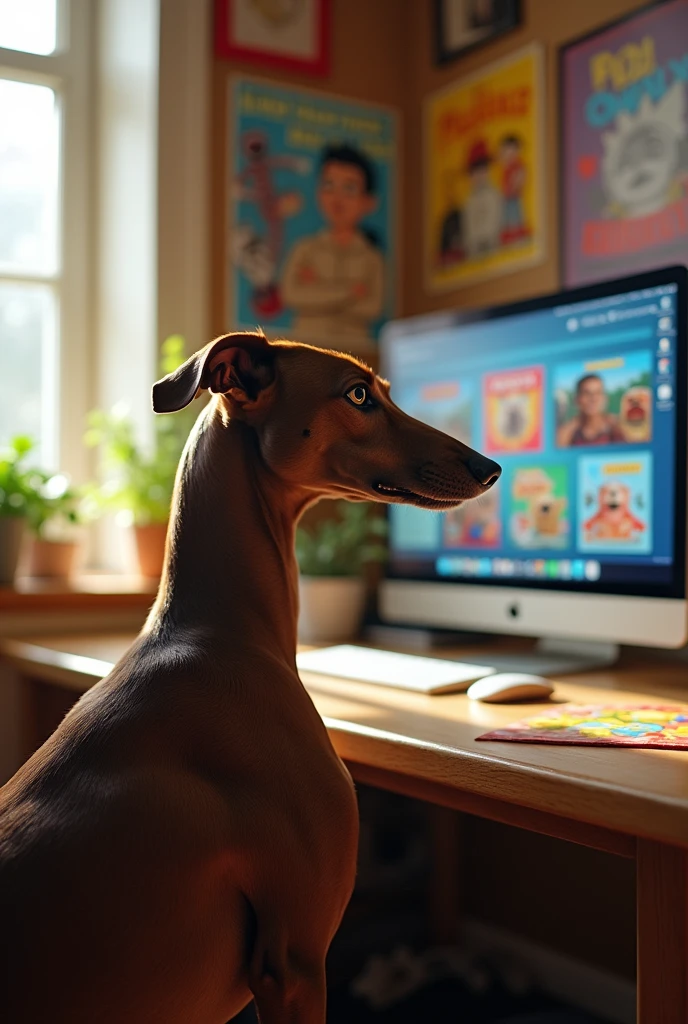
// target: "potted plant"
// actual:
[[53, 515], [331, 557], [14, 502], [140, 482]]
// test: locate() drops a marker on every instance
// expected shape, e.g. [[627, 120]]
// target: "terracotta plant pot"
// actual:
[[11, 533], [51, 559], [330, 608], [150, 548]]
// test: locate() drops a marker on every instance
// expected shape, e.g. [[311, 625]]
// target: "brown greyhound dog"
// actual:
[[186, 839]]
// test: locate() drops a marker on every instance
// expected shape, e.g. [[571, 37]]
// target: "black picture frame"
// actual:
[[507, 16]]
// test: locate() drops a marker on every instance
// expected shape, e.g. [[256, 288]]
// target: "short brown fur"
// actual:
[[186, 840]]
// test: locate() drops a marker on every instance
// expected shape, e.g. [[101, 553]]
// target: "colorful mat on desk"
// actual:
[[603, 725]]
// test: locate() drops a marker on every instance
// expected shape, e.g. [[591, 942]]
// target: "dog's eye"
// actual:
[[358, 395]]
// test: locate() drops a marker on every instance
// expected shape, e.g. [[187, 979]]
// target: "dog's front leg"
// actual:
[[302, 1001]]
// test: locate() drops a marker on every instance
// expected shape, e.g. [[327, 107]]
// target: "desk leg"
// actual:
[[446, 880], [662, 924]]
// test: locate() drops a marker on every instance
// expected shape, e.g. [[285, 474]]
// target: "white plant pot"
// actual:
[[330, 608]]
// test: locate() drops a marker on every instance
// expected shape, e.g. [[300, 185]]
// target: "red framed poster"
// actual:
[[289, 34]]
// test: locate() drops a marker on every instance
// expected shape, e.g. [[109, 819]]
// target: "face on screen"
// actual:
[[578, 405]]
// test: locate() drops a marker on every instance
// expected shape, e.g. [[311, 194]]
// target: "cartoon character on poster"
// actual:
[[312, 232], [334, 280], [625, 154], [615, 503], [259, 256], [484, 150]]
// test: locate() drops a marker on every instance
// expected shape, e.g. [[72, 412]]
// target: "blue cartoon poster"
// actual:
[[615, 503], [624, 115], [311, 247]]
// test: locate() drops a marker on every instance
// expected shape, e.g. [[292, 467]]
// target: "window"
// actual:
[[30, 25], [43, 156]]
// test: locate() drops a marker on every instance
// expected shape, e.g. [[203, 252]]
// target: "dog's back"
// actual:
[[148, 796]]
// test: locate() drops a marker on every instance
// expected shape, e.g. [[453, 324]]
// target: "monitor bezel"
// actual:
[[674, 274]]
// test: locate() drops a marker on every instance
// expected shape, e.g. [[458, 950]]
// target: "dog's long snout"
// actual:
[[485, 471]]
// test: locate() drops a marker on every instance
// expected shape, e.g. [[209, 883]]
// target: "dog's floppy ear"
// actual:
[[239, 366]]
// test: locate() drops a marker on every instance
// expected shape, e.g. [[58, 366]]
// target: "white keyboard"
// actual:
[[388, 668]]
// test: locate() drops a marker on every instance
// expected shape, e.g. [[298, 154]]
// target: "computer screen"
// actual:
[[581, 399]]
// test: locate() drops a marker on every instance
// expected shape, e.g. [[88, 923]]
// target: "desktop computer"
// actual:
[[581, 398]]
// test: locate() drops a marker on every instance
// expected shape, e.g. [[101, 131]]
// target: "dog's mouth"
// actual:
[[408, 497]]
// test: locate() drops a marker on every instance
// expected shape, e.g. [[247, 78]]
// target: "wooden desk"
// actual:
[[633, 803]]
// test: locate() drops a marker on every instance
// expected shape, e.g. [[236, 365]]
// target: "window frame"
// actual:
[[67, 374]]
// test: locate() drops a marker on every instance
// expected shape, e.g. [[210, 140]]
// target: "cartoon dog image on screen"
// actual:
[[546, 512], [615, 503], [539, 499], [635, 414], [513, 410], [613, 519]]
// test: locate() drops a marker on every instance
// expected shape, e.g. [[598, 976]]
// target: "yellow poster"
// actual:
[[484, 174]]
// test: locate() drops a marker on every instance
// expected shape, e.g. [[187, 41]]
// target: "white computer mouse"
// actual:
[[504, 686]]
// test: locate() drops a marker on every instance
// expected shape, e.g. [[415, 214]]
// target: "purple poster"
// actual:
[[625, 146]]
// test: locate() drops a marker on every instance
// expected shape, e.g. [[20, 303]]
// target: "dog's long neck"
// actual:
[[230, 568]]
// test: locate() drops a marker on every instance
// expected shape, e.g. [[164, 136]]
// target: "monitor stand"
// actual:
[[557, 656], [550, 656]]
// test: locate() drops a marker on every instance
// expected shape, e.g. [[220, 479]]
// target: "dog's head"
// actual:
[[614, 497], [636, 412], [325, 423], [547, 512]]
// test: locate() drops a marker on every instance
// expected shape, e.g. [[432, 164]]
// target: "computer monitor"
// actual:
[[581, 398]]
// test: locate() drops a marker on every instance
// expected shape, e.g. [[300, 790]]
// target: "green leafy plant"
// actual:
[[342, 546], [41, 498], [53, 505], [16, 477], [141, 482]]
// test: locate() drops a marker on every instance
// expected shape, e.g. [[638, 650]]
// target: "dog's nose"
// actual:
[[485, 471]]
